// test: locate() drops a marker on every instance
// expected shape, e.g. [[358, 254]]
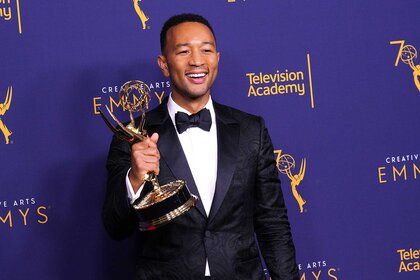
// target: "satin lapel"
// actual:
[[171, 151], [227, 146]]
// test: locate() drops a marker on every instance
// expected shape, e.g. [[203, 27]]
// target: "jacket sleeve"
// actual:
[[271, 223], [119, 217]]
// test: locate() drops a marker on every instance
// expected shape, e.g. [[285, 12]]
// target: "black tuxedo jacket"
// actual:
[[247, 208]]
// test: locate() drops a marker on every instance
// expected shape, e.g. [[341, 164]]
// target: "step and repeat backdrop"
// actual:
[[338, 83]]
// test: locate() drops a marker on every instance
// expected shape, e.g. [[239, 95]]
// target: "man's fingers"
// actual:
[[150, 159], [145, 146], [149, 167], [154, 138], [140, 145], [147, 142], [146, 168], [145, 156], [153, 152]]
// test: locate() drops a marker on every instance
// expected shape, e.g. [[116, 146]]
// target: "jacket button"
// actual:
[[207, 233]]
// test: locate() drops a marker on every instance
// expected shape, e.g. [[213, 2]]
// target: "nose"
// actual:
[[196, 58]]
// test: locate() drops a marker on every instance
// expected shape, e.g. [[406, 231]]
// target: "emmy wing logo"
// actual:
[[140, 13], [286, 165], [407, 54], [3, 109]]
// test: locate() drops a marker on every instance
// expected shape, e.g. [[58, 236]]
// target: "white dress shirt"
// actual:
[[200, 149]]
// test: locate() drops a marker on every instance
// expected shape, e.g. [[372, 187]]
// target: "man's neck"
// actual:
[[191, 105]]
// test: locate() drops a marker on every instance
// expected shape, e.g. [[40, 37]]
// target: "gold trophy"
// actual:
[[163, 203]]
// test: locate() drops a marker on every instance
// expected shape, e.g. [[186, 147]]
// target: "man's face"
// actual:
[[190, 59]]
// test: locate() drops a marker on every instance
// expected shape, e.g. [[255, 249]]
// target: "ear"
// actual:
[[161, 60], [218, 56]]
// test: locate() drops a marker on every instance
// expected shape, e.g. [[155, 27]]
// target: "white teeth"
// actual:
[[200, 75]]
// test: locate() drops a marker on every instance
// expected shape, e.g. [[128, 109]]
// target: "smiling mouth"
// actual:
[[196, 75]]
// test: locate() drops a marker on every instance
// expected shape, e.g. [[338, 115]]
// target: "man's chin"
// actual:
[[195, 95]]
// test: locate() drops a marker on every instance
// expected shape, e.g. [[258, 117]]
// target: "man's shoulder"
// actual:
[[235, 114]]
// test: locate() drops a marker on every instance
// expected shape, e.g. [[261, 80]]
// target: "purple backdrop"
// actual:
[[336, 81]]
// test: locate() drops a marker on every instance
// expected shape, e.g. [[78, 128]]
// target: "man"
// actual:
[[229, 164]]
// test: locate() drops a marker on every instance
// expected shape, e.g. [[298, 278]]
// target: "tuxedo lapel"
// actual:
[[171, 150], [227, 143]]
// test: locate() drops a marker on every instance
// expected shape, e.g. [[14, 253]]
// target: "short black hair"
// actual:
[[178, 19]]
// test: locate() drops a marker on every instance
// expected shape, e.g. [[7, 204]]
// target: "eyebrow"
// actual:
[[187, 44]]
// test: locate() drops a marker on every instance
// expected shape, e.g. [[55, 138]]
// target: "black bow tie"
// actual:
[[202, 119]]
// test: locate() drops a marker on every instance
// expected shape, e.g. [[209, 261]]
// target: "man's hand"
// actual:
[[144, 158]]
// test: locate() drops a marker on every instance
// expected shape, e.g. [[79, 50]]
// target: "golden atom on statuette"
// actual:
[[135, 96], [286, 163], [408, 54]]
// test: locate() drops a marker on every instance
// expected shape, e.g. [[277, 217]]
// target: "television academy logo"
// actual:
[[282, 82], [4, 107], [8, 10], [140, 13], [409, 260], [407, 54], [286, 164]]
